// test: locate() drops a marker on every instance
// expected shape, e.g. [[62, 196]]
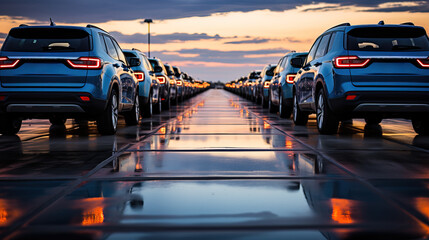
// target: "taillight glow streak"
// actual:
[[140, 76], [350, 62], [5, 62], [161, 79], [290, 78], [266, 84], [424, 62], [85, 63]]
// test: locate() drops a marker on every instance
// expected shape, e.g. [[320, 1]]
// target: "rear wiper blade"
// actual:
[[404, 47]]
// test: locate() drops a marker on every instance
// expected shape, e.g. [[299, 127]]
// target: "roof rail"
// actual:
[[407, 23], [92, 26], [23, 25], [341, 25]]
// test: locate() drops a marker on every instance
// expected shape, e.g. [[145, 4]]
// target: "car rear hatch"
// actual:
[[43, 53], [393, 53]]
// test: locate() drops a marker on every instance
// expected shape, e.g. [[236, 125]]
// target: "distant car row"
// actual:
[[365, 71], [61, 72]]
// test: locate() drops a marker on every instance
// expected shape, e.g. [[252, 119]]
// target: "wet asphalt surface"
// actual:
[[216, 166]]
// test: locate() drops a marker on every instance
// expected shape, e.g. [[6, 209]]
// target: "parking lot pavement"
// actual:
[[217, 166]]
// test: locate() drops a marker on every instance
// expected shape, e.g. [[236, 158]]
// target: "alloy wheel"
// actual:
[[320, 113]]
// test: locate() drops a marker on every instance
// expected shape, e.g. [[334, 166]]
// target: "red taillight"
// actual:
[[161, 79], [351, 97], [85, 98], [179, 83], [85, 63], [290, 78], [267, 84], [139, 76], [2, 98], [350, 62], [424, 62], [5, 62]]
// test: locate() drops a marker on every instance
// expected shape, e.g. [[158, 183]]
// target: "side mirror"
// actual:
[[134, 62], [157, 69], [296, 62]]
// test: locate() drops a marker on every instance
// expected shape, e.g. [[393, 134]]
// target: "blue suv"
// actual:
[[365, 71], [280, 89], [148, 90], [60, 72]]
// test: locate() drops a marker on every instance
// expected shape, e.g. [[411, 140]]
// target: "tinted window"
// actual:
[[176, 72], [279, 66], [388, 39], [47, 40], [129, 55], [169, 69], [285, 61], [254, 75], [119, 51], [270, 71], [321, 50], [146, 63], [331, 42], [312, 52], [110, 47]]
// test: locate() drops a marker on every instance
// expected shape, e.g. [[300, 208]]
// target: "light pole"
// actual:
[[148, 21]]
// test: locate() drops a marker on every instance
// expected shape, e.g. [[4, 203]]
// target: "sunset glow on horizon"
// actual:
[[233, 43]]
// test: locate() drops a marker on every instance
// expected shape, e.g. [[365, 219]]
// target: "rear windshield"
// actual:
[[129, 55], [254, 75], [47, 40], [176, 72], [169, 69], [388, 39], [270, 71]]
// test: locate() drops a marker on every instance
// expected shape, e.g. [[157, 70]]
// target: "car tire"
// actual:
[[158, 106], [264, 102], [299, 117], [421, 125], [107, 123], [132, 117], [167, 103], [373, 120], [284, 110], [57, 120], [327, 123], [9, 125], [271, 106], [147, 109]]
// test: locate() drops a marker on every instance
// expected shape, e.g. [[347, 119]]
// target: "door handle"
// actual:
[[116, 65], [317, 64]]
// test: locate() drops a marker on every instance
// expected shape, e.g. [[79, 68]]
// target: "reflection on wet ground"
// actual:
[[216, 166]]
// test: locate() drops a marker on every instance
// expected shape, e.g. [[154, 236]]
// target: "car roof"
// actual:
[[347, 27], [87, 29]]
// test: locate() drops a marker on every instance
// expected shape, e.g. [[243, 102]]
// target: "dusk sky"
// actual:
[[214, 39]]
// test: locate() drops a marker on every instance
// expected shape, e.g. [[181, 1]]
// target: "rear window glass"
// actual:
[[254, 75], [169, 69], [270, 71], [47, 40], [388, 39]]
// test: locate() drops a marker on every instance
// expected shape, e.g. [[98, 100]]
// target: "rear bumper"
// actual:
[[31, 104], [401, 104]]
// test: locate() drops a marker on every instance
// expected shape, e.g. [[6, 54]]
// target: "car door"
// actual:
[[315, 66], [303, 90], [275, 82], [127, 79]]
